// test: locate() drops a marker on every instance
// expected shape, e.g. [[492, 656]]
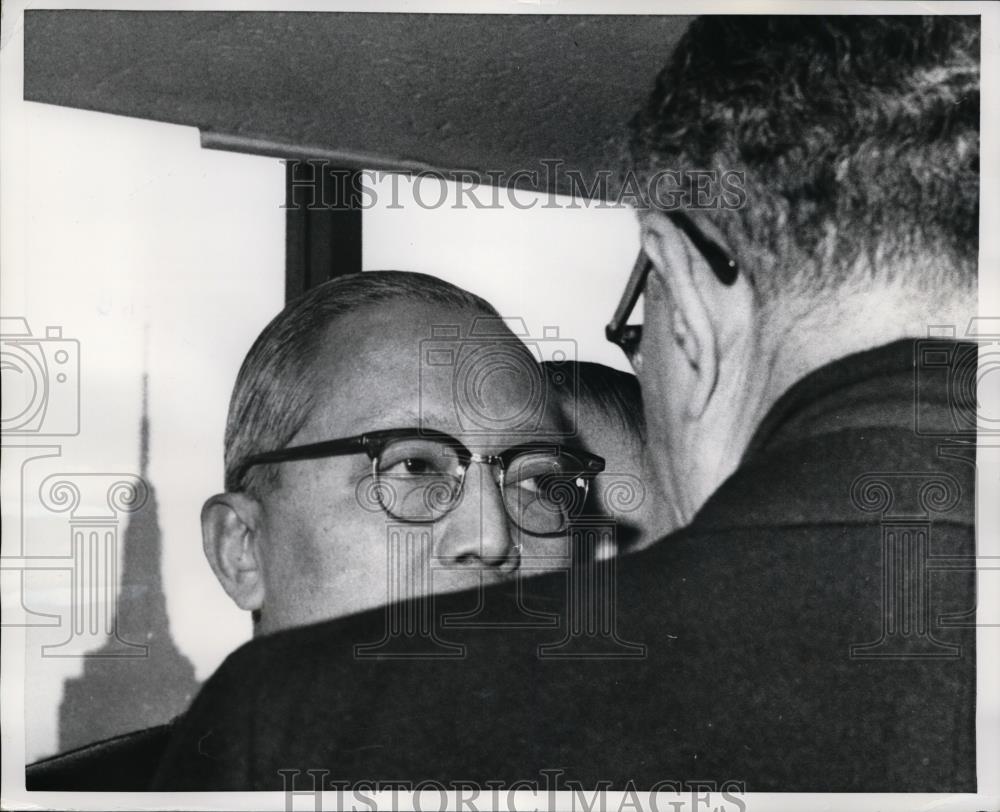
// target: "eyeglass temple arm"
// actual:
[[311, 451], [723, 266], [636, 282]]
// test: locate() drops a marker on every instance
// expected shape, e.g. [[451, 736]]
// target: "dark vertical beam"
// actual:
[[296, 239], [322, 224]]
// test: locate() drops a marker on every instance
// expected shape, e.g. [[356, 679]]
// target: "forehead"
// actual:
[[405, 363]]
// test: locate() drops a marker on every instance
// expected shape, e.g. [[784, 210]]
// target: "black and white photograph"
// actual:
[[551, 405]]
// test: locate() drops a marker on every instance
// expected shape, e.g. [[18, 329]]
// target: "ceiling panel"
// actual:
[[451, 92]]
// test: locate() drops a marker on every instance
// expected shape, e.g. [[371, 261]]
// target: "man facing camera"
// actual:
[[345, 429], [388, 438], [811, 628]]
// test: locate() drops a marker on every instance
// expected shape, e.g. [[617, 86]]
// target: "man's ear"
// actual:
[[702, 309], [230, 529]]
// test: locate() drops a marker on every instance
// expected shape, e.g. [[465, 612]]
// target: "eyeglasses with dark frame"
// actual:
[[723, 265], [419, 475]]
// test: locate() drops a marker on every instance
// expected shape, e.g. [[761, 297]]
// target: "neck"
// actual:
[[813, 336], [760, 367]]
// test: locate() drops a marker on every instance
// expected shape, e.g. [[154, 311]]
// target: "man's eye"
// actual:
[[532, 484], [414, 466], [543, 484]]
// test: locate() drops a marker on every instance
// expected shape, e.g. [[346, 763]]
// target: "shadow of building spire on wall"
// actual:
[[116, 694]]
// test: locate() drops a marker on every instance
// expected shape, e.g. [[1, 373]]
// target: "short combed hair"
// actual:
[[858, 136], [614, 392], [273, 395]]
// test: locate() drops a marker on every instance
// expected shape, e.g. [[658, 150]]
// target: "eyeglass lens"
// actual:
[[420, 480], [543, 491]]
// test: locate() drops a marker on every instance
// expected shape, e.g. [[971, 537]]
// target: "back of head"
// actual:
[[593, 387], [604, 405], [272, 397], [858, 136]]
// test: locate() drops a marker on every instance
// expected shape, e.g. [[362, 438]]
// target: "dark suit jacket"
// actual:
[[120, 764], [811, 630]]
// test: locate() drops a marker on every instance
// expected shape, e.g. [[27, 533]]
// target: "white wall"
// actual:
[[552, 265]]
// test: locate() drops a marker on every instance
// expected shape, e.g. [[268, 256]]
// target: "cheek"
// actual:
[[303, 511], [544, 554], [325, 552], [664, 380], [657, 345], [661, 400], [665, 377]]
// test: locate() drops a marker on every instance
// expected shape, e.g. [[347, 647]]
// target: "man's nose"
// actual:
[[477, 533]]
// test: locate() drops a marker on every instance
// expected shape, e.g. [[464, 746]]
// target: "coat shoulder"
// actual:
[[119, 764]]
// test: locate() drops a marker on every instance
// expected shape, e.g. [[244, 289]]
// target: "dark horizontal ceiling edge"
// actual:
[[345, 159], [357, 160]]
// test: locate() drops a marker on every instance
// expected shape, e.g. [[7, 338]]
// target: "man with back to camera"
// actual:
[[354, 478], [821, 453]]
